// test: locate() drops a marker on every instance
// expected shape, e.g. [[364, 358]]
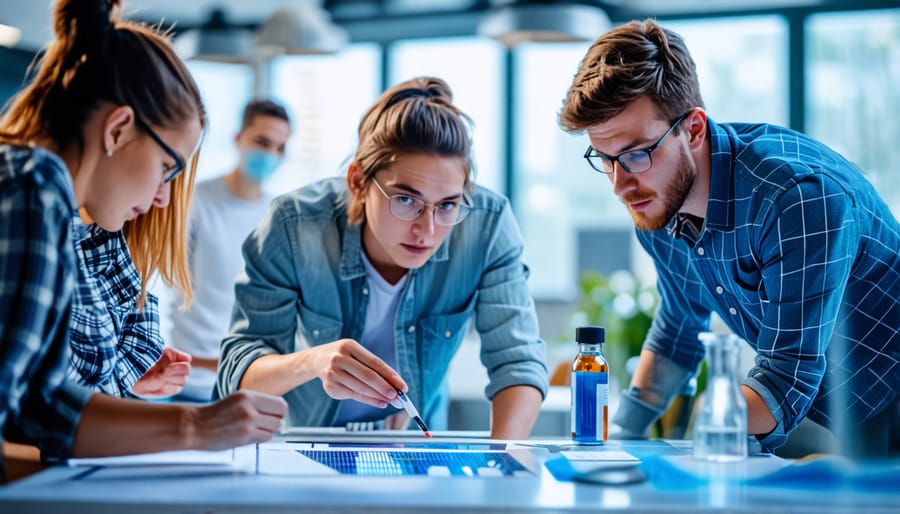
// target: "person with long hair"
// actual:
[[114, 331], [110, 118]]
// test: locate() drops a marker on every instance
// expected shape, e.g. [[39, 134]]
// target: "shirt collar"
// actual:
[[685, 226], [720, 209]]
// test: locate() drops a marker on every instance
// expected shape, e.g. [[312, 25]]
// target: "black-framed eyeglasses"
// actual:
[[632, 161], [179, 163], [407, 208]]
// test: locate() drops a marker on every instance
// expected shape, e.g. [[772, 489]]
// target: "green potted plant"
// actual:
[[624, 306]]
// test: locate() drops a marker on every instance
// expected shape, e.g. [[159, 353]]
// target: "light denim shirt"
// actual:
[[304, 284], [799, 256]]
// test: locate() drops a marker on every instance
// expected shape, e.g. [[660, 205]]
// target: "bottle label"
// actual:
[[590, 398]]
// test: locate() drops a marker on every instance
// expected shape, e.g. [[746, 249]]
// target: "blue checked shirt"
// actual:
[[36, 278], [113, 343], [799, 256]]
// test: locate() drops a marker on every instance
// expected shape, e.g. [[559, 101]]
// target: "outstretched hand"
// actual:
[[166, 377]]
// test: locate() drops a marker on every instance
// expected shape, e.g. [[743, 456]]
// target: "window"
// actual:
[[224, 106], [325, 107], [742, 66], [326, 96], [473, 68], [852, 96], [555, 192], [570, 218]]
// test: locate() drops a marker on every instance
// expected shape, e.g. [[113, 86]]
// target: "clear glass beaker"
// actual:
[[720, 430]]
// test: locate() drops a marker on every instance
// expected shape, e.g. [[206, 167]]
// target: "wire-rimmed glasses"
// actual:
[[632, 161], [407, 208]]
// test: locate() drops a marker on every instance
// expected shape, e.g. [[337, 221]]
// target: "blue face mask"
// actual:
[[259, 165]]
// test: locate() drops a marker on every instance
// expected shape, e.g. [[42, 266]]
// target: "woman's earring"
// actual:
[[109, 153]]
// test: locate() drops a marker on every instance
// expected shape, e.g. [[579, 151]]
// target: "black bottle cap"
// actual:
[[590, 335]]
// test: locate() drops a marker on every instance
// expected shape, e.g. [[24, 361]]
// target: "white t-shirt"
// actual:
[[219, 223], [377, 337]]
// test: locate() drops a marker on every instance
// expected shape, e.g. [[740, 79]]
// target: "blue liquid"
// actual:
[[590, 400]]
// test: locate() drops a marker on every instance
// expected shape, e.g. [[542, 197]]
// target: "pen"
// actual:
[[413, 413]]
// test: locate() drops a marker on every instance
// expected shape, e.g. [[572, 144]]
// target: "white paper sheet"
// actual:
[[186, 457]]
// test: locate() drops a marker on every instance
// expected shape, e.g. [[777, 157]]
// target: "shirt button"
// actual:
[[365, 290], [720, 289], [447, 334], [700, 251], [733, 311], [315, 333], [411, 329]]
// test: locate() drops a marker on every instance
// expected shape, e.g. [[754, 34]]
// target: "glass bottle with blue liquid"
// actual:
[[590, 387]]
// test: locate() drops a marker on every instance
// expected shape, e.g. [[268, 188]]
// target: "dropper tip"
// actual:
[[428, 435]]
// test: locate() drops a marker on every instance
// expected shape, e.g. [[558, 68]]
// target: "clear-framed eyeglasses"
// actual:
[[407, 208], [632, 161]]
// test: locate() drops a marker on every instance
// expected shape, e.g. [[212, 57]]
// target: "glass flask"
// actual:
[[720, 430]]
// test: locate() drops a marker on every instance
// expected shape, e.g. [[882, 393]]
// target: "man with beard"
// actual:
[[773, 231]]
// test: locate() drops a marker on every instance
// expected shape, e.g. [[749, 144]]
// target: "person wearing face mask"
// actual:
[[224, 211]]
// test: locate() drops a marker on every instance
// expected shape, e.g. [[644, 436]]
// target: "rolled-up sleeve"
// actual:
[[805, 272], [264, 317], [511, 348]]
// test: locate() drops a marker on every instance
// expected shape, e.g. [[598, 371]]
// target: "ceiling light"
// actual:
[[544, 22], [307, 30], [9, 36], [216, 40]]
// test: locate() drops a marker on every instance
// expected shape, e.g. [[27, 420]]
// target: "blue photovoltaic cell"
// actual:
[[392, 463]]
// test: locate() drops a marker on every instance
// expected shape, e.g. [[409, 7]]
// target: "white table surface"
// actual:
[[212, 487]]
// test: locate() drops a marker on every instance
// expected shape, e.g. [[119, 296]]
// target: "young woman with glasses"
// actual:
[[114, 332], [78, 137], [357, 287]]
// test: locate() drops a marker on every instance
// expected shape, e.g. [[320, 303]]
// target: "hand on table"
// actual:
[[243, 417]]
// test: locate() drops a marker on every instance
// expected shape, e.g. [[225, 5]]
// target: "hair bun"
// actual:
[[424, 87], [84, 25]]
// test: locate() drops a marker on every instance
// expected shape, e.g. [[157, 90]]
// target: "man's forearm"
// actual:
[[656, 381], [760, 420]]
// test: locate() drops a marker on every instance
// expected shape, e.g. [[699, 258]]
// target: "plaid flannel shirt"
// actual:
[[36, 279], [113, 342], [799, 256]]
